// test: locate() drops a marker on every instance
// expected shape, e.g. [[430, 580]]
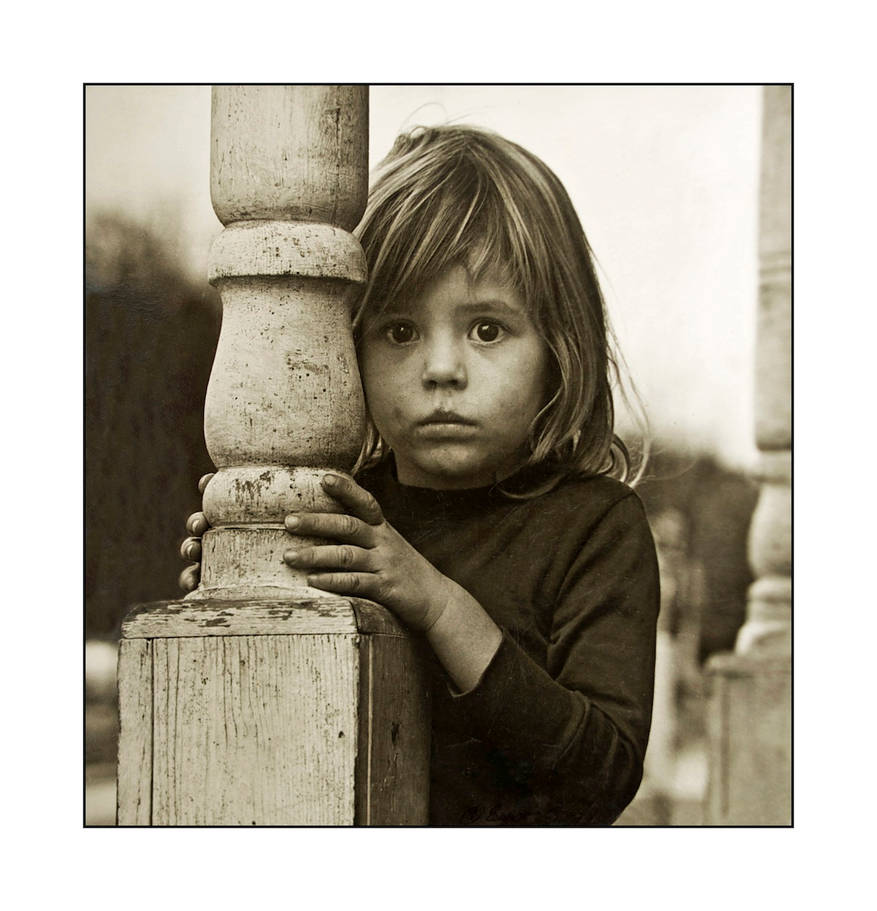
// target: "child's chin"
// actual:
[[451, 472]]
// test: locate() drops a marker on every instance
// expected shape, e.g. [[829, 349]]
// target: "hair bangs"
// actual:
[[423, 220]]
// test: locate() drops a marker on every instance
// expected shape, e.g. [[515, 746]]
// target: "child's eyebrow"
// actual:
[[492, 303]]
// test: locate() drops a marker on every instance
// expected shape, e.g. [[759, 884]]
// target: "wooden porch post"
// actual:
[[749, 711], [257, 700]]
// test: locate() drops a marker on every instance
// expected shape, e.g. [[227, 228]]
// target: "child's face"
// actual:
[[453, 381]]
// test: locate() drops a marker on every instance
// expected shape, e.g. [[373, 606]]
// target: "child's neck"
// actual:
[[410, 475]]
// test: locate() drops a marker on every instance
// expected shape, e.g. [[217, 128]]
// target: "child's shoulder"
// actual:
[[600, 491], [588, 518], [592, 499]]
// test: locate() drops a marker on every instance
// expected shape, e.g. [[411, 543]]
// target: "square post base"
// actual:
[[245, 713], [749, 712]]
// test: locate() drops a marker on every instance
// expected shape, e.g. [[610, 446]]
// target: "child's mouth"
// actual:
[[445, 417], [445, 424]]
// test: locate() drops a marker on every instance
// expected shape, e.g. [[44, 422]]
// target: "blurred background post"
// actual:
[[751, 690]]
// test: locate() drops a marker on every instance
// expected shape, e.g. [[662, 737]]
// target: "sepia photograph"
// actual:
[[438, 455]]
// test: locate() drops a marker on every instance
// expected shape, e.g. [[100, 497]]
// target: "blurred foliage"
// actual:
[[150, 337], [717, 505]]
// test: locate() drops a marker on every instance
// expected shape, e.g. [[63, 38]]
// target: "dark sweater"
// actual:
[[556, 729]]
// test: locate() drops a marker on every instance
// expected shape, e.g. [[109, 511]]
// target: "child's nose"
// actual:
[[443, 366]]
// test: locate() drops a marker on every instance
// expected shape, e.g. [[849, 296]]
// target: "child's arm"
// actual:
[[372, 560], [572, 721]]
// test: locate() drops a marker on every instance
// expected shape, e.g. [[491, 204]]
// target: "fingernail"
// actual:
[[292, 521], [330, 480], [290, 556]]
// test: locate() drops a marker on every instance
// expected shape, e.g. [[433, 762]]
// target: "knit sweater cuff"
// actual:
[[518, 708]]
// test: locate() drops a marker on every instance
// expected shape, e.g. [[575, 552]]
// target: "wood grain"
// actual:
[[289, 152], [271, 713], [164, 619], [134, 791], [255, 730], [289, 181], [392, 775]]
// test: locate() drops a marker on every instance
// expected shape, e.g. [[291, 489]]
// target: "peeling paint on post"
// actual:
[[284, 403], [254, 674]]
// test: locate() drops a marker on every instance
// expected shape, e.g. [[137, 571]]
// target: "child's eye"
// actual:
[[400, 333], [486, 330]]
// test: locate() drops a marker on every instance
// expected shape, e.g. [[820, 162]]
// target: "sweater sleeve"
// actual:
[[577, 729]]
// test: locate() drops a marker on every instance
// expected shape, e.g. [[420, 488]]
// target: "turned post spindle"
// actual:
[[750, 689], [257, 700], [769, 612], [284, 402]]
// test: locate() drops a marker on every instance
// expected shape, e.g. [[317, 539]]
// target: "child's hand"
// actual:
[[371, 559], [190, 549]]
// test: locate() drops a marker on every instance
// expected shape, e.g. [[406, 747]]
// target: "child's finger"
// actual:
[[333, 526], [205, 480], [197, 524], [190, 577], [359, 502], [363, 585], [190, 549], [331, 556]]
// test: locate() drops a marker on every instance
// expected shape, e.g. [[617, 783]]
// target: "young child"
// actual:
[[489, 511]]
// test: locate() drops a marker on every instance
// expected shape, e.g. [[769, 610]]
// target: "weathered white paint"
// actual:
[[271, 713], [284, 402], [324, 615], [254, 730], [256, 700], [134, 786], [289, 152], [260, 248]]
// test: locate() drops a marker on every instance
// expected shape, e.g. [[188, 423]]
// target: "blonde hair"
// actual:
[[461, 195]]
